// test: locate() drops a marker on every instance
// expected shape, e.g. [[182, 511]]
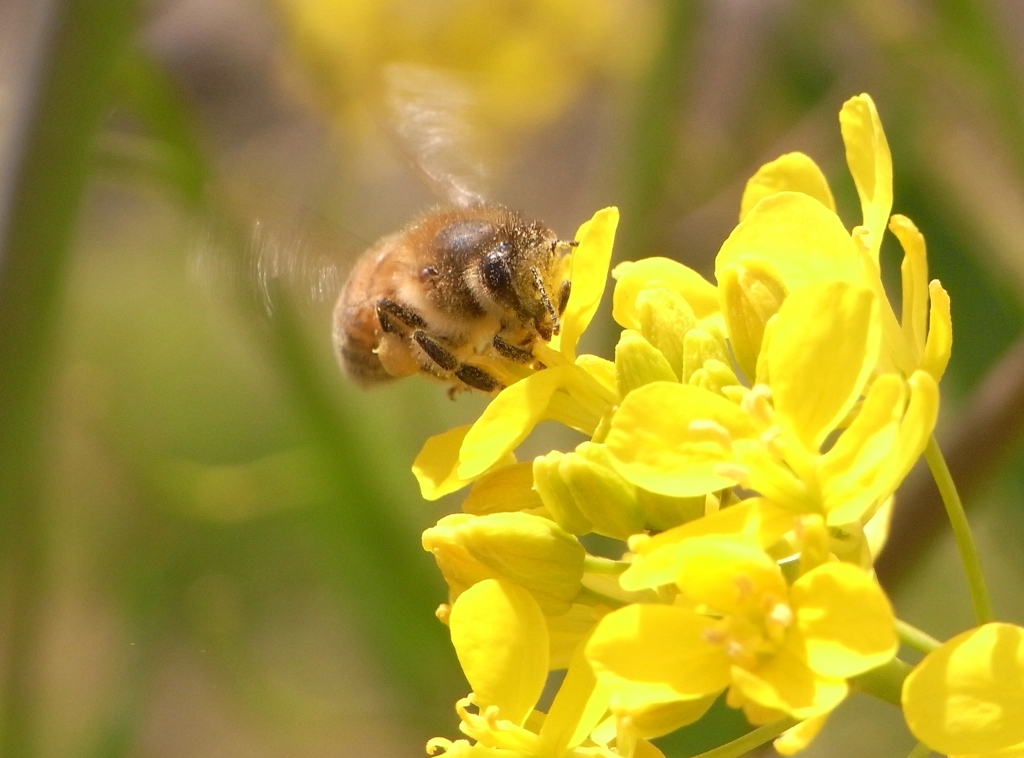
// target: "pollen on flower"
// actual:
[[757, 403], [491, 715], [714, 635], [774, 442], [712, 431], [443, 612], [738, 473], [781, 614], [744, 587]]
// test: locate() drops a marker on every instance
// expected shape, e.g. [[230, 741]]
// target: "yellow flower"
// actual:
[[571, 390], [814, 369], [531, 551], [501, 640], [737, 625], [967, 697], [789, 225]]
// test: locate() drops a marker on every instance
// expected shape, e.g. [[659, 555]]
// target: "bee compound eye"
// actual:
[[496, 273]]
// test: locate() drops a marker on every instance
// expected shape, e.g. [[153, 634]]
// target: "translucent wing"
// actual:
[[266, 258], [430, 114]]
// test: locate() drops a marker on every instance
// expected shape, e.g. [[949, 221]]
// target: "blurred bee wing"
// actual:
[[429, 113], [265, 259]]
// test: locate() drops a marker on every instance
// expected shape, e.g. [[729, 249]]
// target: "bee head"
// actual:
[[528, 275]]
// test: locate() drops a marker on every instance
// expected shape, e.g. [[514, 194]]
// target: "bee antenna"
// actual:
[[563, 243]]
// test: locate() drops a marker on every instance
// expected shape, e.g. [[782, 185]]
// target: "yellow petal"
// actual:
[[794, 740], [867, 154], [567, 630], [590, 264], [656, 563], [601, 369], [633, 277], [507, 420], [668, 438], [649, 718], [939, 344], [824, 345], [502, 643], [726, 573], [846, 620], [436, 467], [795, 172], [850, 472], [580, 704], [660, 646], [786, 683], [915, 430], [968, 696], [509, 488], [914, 273], [803, 240]]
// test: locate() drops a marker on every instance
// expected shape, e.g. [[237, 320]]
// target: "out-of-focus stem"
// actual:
[[961, 532], [64, 91]]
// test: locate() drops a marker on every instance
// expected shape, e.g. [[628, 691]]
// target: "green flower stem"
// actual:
[[750, 740], [914, 638], [588, 596], [593, 564], [961, 532], [884, 682], [57, 106], [920, 751]]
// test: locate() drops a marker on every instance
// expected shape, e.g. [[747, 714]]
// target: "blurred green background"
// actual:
[[210, 539]]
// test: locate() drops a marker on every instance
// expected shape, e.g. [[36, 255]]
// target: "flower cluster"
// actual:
[[744, 446]]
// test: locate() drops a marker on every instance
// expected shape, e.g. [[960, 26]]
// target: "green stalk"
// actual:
[[750, 740], [961, 532], [884, 682], [594, 564], [914, 638], [60, 110], [920, 751]]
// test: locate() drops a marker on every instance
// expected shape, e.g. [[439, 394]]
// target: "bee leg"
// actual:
[[477, 378], [437, 352], [469, 375], [393, 316], [512, 352]]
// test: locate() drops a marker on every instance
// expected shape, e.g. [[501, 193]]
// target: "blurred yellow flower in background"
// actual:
[[529, 59]]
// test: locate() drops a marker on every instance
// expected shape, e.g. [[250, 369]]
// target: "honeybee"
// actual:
[[457, 288], [463, 290]]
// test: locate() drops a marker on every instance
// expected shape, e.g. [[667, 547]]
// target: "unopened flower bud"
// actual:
[[607, 500], [663, 512], [751, 293], [531, 551], [714, 376], [555, 495], [701, 346], [665, 318], [638, 362]]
